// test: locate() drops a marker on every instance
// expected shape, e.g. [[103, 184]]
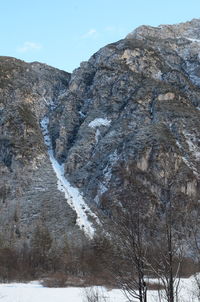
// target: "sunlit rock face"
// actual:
[[128, 119], [147, 87]]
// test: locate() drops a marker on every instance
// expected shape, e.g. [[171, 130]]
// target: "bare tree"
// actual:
[[94, 294], [166, 251], [41, 244], [193, 235], [128, 232], [148, 239]]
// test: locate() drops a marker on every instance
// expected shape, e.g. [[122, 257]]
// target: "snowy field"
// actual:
[[35, 292]]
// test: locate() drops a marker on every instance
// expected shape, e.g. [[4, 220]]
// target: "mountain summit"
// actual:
[[189, 30]]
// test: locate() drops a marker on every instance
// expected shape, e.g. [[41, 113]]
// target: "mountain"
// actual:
[[127, 120]]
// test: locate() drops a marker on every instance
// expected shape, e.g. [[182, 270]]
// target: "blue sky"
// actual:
[[63, 33]]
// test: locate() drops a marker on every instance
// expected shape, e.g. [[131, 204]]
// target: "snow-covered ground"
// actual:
[[72, 195], [35, 292]]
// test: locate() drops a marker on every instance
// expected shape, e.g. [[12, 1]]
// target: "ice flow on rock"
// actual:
[[72, 195]]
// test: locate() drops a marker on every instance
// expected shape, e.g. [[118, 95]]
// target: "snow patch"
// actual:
[[44, 125], [107, 173], [186, 161], [72, 195], [34, 291], [157, 75], [82, 115], [103, 188], [97, 134], [99, 122], [49, 102], [192, 142], [193, 40], [192, 70]]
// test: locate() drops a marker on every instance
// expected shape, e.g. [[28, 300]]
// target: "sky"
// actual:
[[63, 33]]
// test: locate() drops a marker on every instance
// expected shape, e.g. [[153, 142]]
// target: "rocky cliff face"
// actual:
[[28, 186], [134, 104], [130, 112]]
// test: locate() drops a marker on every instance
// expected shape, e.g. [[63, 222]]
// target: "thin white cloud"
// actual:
[[29, 46], [91, 33]]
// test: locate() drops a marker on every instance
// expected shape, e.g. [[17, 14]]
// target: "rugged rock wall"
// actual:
[[130, 112], [134, 106], [28, 186]]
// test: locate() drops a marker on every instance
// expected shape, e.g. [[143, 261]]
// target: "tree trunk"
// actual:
[[170, 248]]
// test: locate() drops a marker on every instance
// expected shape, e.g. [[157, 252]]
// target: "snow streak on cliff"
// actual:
[[72, 195]]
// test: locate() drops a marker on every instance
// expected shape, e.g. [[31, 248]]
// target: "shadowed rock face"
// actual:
[[128, 118], [28, 187]]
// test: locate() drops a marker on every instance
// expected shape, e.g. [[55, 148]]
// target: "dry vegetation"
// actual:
[[80, 266]]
